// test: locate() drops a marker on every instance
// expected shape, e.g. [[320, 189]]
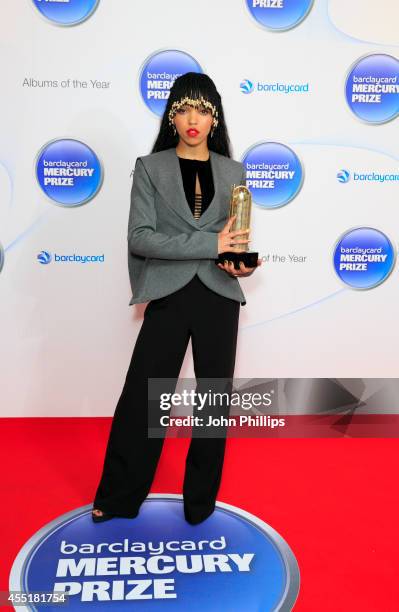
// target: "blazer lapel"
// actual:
[[213, 209], [172, 189]]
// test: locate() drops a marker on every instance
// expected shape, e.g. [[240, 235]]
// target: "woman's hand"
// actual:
[[225, 241], [243, 271], [225, 238]]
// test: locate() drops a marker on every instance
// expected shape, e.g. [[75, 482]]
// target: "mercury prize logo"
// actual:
[[66, 12], [158, 74], [279, 14], [364, 258], [68, 172], [274, 174], [233, 560], [372, 88]]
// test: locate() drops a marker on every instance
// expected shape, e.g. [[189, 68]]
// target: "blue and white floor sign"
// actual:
[[279, 14], [372, 88], [66, 12], [364, 258], [274, 174], [231, 561], [158, 74], [69, 172]]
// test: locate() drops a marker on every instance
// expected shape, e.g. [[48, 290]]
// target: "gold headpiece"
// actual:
[[195, 103]]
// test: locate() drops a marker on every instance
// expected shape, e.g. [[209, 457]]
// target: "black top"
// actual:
[[189, 169]]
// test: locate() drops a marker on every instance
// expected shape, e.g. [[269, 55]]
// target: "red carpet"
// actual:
[[335, 501]]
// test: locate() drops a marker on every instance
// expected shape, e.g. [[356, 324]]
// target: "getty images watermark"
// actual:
[[289, 407], [209, 406]]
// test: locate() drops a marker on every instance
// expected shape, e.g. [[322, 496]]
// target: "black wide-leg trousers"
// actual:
[[211, 321]]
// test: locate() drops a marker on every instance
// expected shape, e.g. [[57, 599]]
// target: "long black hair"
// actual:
[[194, 85]]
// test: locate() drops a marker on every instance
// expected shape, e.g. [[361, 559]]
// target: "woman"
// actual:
[[177, 226]]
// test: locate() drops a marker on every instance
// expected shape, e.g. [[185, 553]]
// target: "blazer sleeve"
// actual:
[[144, 240], [244, 175]]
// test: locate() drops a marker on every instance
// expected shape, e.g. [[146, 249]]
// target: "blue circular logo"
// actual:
[[364, 258], [231, 561], [246, 86], [279, 14], [158, 74], [66, 12], [274, 174], [372, 88], [44, 257], [1, 257], [68, 172], [343, 176]]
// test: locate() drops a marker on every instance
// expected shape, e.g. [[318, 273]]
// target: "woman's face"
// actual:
[[193, 124]]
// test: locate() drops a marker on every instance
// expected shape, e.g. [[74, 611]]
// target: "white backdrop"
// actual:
[[66, 330]]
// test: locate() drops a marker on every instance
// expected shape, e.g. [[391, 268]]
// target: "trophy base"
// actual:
[[249, 259]]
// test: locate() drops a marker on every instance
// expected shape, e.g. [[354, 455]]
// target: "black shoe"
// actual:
[[197, 519], [105, 516]]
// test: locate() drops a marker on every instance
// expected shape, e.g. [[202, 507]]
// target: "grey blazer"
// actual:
[[166, 245]]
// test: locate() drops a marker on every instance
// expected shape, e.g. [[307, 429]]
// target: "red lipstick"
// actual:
[[192, 132]]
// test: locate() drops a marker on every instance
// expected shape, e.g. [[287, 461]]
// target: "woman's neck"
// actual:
[[200, 152]]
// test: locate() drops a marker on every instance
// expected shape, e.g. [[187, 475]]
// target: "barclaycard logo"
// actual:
[[44, 257], [368, 176], [246, 86], [343, 176]]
